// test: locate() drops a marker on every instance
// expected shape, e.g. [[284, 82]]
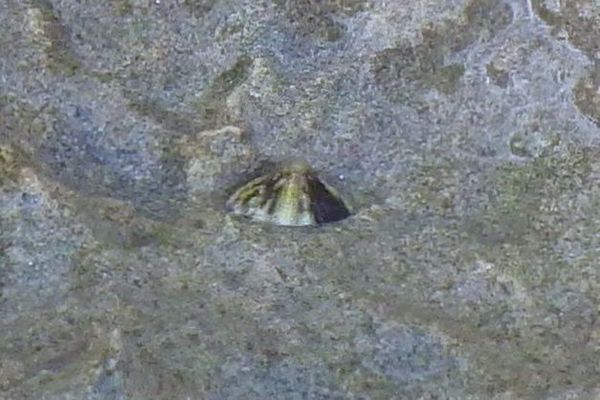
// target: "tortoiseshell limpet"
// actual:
[[291, 196]]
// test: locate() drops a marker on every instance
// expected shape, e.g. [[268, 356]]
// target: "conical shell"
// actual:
[[291, 196]]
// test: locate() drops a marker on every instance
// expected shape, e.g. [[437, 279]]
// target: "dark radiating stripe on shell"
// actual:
[[325, 206], [270, 195], [248, 195], [244, 198], [274, 195], [267, 193], [249, 191]]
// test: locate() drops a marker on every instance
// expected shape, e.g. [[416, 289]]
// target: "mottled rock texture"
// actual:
[[465, 134]]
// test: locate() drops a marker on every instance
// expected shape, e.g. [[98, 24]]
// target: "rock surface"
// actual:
[[464, 132]]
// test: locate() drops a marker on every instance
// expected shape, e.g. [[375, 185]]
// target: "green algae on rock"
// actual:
[[292, 196], [9, 164]]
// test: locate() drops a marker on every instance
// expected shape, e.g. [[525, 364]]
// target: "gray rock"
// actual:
[[464, 133]]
